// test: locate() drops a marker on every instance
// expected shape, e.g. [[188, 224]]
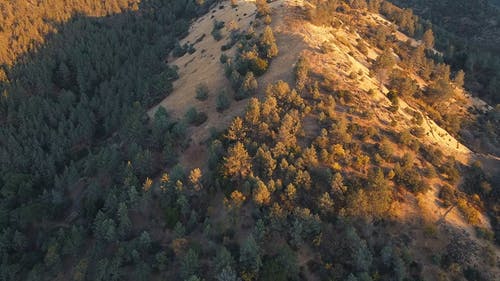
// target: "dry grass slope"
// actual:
[[333, 54]]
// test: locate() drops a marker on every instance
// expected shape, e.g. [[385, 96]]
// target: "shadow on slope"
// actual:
[[72, 115]]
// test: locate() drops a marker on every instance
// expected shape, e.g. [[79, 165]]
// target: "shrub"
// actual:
[[409, 177], [223, 58], [179, 50], [470, 213], [217, 34], [191, 49], [362, 48], [222, 101], [485, 233], [419, 132], [267, 20], [216, 31], [386, 149], [449, 168], [393, 97], [447, 195], [403, 85], [440, 90], [419, 119], [194, 117], [263, 8], [248, 87], [202, 92], [404, 138]]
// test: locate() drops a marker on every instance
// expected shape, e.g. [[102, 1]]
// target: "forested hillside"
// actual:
[[469, 34], [356, 152], [77, 77]]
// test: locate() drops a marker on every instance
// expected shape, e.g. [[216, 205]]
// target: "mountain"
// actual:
[[247, 140]]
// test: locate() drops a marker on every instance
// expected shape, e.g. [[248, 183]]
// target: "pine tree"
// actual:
[[384, 64], [268, 43], [263, 8], [223, 259], [252, 114], [428, 39], [326, 204], [124, 223], [265, 163], [459, 79], [301, 73], [237, 130], [261, 194], [227, 274], [250, 258], [237, 164], [189, 264], [360, 255], [248, 86], [195, 179]]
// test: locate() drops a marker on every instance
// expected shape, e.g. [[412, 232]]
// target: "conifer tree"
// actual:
[[237, 164], [263, 8], [261, 194], [268, 43], [428, 39], [250, 257]]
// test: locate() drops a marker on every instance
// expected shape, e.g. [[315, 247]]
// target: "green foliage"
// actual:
[[222, 101], [384, 61], [281, 267], [250, 257], [104, 228], [194, 117], [440, 90], [171, 216], [124, 223], [409, 177], [77, 146], [248, 87], [227, 274], [216, 30], [361, 256], [223, 260], [402, 85], [189, 264], [78, 113], [223, 58], [202, 92]]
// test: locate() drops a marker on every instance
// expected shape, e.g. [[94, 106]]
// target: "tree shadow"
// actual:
[[72, 113]]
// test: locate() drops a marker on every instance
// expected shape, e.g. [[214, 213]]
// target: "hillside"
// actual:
[[336, 58], [244, 140], [468, 34]]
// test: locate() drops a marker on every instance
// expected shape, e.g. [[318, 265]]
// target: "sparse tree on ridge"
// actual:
[[428, 39]]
